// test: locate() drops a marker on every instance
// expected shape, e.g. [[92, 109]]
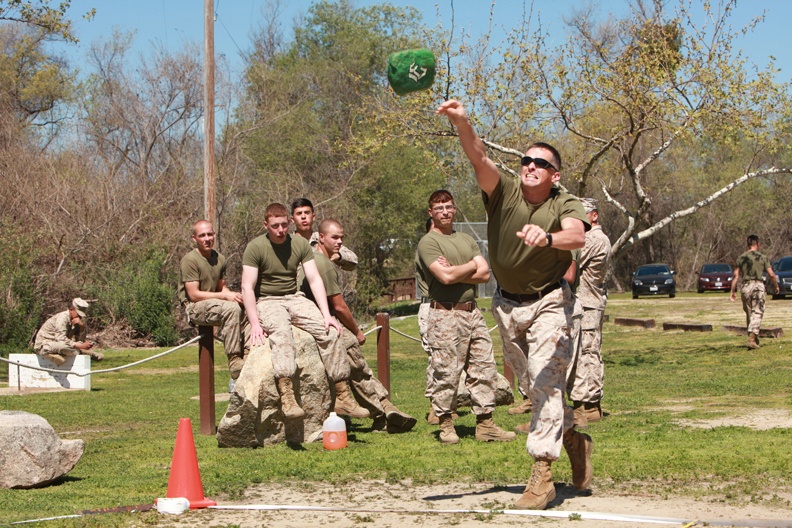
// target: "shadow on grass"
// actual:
[[563, 491]]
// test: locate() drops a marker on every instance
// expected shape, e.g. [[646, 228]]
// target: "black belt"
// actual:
[[465, 307], [529, 297]]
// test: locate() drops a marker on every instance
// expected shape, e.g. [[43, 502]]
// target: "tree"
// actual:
[[310, 130], [39, 14], [630, 93]]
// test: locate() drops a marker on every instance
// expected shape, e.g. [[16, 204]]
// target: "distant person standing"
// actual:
[[750, 267], [587, 387], [63, 335]]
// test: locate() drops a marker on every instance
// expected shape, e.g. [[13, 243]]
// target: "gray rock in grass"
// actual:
[[31, 452], [254, 418]]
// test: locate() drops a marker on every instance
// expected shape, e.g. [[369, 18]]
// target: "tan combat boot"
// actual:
[[579, 447], [398, 421], [235, 364], [522, 408], [540, 490], [523, 428], [55, 358], [579, 412], [592, 411], [487, 431], [447, 432], [345, 403], [753, 341], [96, 356], [432, 418], [288, 403], [380, 424]]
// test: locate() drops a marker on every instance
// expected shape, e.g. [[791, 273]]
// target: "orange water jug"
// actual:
[[334, 435]]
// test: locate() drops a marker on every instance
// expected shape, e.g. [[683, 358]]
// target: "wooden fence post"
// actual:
[[206, 393], [383, 350]]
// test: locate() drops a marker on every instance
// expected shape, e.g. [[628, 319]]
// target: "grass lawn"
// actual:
[[654, 379]]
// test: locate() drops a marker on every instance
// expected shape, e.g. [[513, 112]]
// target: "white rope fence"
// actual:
[[162, 354], [114, 369]]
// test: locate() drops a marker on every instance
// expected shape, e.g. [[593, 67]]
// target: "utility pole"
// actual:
[[210, 210], [206, 349]]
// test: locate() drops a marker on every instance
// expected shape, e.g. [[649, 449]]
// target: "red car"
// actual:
[[715, 277]]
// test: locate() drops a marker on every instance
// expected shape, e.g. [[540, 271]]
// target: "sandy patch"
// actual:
[[402, 505], [760, 420]]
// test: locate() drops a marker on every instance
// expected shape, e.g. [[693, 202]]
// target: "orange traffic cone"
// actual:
[[185, 478]]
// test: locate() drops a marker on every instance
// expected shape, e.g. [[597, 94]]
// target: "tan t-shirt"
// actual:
[[197, 268], [457, 248], [277, 263], [329, 273], [593, 266], [420, 278], [519, 268]]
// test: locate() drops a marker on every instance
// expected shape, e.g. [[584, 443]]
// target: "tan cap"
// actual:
[[589, 204], [80, 305]]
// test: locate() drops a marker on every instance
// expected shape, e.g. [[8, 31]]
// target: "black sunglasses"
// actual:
[[539, 162]]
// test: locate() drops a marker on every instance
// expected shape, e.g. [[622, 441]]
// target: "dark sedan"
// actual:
[[653, 279], [783, 271], [715, 277]]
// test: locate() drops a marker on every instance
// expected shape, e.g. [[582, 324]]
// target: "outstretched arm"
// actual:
[[249, 278], [320, 294], [487, 175]]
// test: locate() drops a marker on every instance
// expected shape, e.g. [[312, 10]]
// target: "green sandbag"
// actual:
[[411, 70]]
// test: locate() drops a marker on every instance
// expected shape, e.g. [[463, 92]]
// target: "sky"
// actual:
[[171, 23]]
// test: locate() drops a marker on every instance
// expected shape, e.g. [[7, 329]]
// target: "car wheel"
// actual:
[[701, 290], [671, 295], [635, 295], [777, 296]]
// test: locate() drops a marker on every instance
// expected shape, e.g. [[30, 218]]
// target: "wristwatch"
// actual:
[[549, 239]]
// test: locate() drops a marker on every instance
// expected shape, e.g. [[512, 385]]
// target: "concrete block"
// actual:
[[25, 378]]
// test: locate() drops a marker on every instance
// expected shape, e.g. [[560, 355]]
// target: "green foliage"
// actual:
[[38, 13], [32, 82], [21, 303], [141, 294]]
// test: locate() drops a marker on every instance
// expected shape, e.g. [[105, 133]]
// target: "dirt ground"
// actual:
[[402, 505], [474, 505]]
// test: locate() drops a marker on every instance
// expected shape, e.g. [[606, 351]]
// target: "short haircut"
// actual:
[[440, 196], [193, 230], [325, 225], [551, 148], [275, 210], [753, 240], [301, 202]]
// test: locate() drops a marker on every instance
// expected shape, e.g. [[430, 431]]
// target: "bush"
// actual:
[[21, 301], [140, 294]]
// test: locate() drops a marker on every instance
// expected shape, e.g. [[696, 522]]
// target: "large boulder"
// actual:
[[31, 453], [503, 392], [254, 418]]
